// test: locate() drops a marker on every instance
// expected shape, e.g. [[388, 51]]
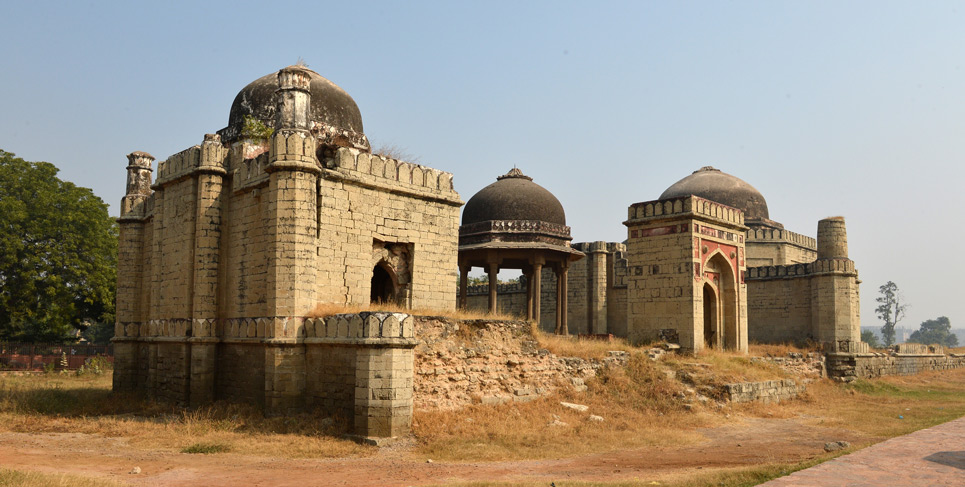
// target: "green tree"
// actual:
[[890, 310], [937, 331], [58, 254], [870, 338]]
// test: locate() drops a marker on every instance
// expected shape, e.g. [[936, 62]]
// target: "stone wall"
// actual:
[[767, 392], [355, 366], [772, 246], [848, 367], [479, 361]]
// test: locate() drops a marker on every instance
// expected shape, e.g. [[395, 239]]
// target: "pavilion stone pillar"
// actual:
[[537, 289], [493, 286], [463, 286], [563, 284], [529, 294]]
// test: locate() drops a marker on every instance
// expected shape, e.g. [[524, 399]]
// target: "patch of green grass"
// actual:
[[207, 448]]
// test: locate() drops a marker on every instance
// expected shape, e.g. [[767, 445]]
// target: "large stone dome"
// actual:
[[334, 112], [514, 196], [716, 185]]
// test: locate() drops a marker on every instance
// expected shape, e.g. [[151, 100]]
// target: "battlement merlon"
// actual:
[[374, 171], [694, 206], [773, 235], [843, 267]]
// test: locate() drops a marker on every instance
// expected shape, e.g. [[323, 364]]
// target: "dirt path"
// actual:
[[750, 442]]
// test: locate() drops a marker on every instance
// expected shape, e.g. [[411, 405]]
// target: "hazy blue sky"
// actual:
[[828, 108]]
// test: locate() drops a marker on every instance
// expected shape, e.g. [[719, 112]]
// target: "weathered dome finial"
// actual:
[[514, 173]]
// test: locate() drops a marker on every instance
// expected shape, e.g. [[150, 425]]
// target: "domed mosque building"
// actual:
[[228, 247]]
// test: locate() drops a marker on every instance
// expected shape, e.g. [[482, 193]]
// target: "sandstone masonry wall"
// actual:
[[848, 367], [458, 364]]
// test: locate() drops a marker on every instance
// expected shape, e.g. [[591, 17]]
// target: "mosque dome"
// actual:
[[514, 196], [334, 112], [716, 185]]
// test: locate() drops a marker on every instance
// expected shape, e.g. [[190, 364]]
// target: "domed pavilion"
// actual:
[[515, 223]]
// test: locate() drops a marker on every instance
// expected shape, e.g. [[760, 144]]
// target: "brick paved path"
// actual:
[[929, 457]]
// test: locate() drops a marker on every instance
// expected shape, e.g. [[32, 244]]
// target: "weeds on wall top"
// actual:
[[255, 129]]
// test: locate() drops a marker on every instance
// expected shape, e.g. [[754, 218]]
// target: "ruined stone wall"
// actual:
[[771, 246], [511, 299], [767, 392], [848, 367], [488, 362]]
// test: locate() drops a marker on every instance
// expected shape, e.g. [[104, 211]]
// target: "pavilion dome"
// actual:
[[716, 185], [514, 196]]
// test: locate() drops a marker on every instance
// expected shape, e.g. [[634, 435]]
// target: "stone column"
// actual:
[[463, 286], [596, 290], [560, 310], [529, 294], [537, 289], [563, 283], [493, 286]]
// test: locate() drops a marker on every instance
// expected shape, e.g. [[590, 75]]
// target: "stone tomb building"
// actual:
[[224, 254]]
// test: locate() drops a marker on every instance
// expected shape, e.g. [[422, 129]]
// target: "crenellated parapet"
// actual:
[[773, 235], [191, 161], [819, 267], [384, 173], [682, 206]]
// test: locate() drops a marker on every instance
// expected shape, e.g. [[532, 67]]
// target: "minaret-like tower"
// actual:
[[834, 291], [291, 236], [131, 311]]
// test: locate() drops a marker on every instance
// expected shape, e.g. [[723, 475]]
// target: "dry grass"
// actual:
[[326, 309], [66, 403], [778, 350], [715, 368], [571, 346], [885, 407], [17, 478], [637, 403]]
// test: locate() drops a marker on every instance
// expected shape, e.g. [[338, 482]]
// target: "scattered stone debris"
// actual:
[[576, 407], [135, 470], [598, 419], [836, 445]]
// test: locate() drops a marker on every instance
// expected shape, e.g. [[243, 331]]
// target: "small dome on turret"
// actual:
[[336, 118], [716, 185], [514, 196]]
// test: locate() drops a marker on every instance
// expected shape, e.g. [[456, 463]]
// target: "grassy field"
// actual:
[[62, 403]]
